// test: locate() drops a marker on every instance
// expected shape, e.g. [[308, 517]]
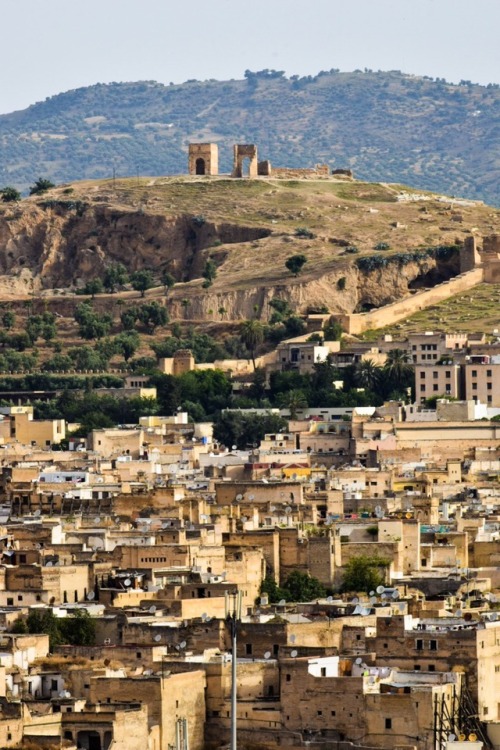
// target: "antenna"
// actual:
[[267, 655], [97, 519], [380, 589], [294, 653], [152, 609], [157, 638], [127, 582], [91, 596]]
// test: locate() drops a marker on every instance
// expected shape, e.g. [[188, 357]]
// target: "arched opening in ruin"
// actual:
[[200, 166]]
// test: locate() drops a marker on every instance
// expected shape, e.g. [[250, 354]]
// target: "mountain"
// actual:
[[383, 125]]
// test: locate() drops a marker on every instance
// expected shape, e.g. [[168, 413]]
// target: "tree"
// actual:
[[294, 400], [332, 331], [252, 335], [167, 280], [300, 587], [127, 344], [114, 275], [398, 370], [9, 194], [244, 430], [41, 186], [8, 320], [142, 281], [367, 374], [92, 325], [209, 273], [152, 315], [93, 287], [364, 573], [295, 263]]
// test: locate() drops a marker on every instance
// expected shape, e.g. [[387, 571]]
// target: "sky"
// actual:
[[51, 46]]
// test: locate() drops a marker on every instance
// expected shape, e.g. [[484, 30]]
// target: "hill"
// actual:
[[383, 125]]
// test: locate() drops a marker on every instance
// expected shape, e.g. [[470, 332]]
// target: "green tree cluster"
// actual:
[[78, 629], [298, 587]]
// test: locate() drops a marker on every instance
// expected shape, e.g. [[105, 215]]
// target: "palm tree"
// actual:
[[367, 374], [252, 335], [294, 400], [398, 369]]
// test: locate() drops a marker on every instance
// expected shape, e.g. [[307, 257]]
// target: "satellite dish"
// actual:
[[148, 673], [62, 694], [97, 519], [49, 564], [157, 638], [329, 599], [235, 447], [152, 609], [294, 653], [288, 510], [282, 602], [373, 599], [239, 497], [251, 497], [458, 613], [380, 589], [452, 737], [244, 519], [267, 655], [183, 644], [38, 546], [264, 481], [359, 661], [293, 638], [91, 596], [272, 508], [372, 593], [355, 600], [127, 582], [395, 594], [37, 513], [204, 616]]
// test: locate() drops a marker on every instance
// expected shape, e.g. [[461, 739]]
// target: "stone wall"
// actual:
[[384, 316]]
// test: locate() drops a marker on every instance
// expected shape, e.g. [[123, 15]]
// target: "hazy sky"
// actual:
[[49, 46]]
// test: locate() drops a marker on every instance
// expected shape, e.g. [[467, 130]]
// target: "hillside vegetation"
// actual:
[[383, 125]]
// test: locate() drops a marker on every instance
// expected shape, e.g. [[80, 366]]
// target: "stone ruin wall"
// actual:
[[286, 173], [389, 314]]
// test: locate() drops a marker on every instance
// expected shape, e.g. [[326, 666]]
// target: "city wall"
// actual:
[[359, 322]]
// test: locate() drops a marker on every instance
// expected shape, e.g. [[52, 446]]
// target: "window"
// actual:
[[419, 644], [320, 713], [432, 667], [489, 386], [422, 388], [489, 373], [288, 677], [435, 374], [422, 374], [435, 387], [248, 649], [53, 685], [388, 723], [474, 386], [323, 671], [474, 373], [448, 373], [433, 645]]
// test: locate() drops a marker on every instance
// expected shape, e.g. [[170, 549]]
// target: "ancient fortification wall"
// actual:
[[389, 314]]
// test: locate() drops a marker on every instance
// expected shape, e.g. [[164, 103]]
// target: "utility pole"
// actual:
[[233, 617]]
